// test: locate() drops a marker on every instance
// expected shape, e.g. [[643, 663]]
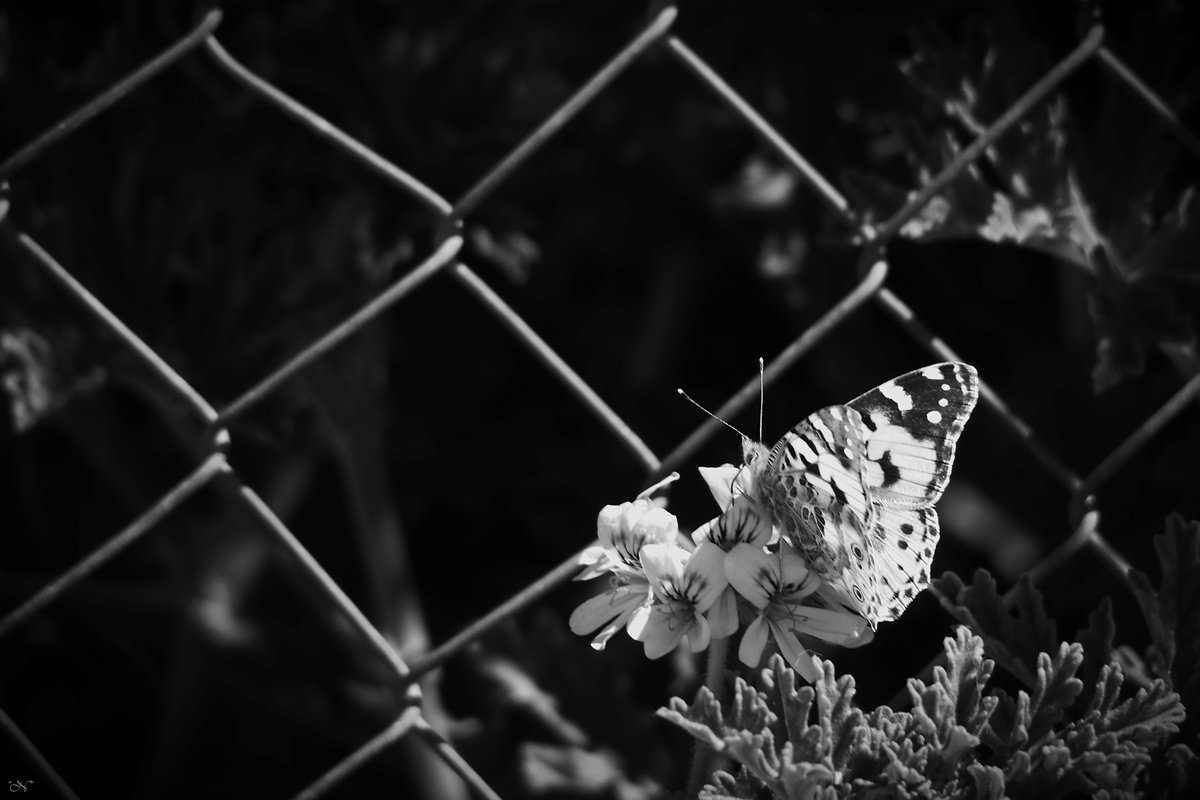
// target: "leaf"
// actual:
[[1130, 318], [1147, 718], [989, 781], [818, 751], [1153, 713], [1173, 612], [1182, 774], [513, 252], [743, 734], [1161, 653], [759, 185], [35, 378], [565, 770], [839, 719], [1014, 642], [952, 711], [1085, 183], [1020, 190], [1169, 252], [1020, 725], [1097, 642], [728, 787], [1057, 689], [825, 734], [791, 704], [702, 719], [1111, 743]]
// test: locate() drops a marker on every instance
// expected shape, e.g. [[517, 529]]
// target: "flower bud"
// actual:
[[655, 525], [628, 527], [607, 522]]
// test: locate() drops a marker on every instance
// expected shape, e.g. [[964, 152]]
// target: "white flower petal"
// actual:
[[639, 523], [706, 532], [630, 514], [835, 597], [625, 542], [601, 639], [723, 617], [699, 634], [744, 522], [663, 631], [592, 614], [607, 522], [603, 608], [591, 555], [866, 637], [655, 525], [744, 482], [833, 626], [754, 639], [806, 665], [663, 563], [795, 579], [789, 646], [637, 621], [720, 483], [704, 576], [598, 561], [753, 573]]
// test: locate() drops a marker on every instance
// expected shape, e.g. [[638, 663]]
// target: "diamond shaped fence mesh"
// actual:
[[211, 472]]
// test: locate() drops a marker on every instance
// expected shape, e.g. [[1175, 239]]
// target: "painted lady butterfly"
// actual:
[[853, 486]]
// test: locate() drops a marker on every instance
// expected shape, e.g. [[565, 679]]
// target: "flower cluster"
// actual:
[[665, 587]]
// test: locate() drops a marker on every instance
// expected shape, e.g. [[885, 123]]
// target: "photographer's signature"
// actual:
[[19, 786]]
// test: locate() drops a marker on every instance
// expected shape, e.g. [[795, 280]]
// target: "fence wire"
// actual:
[[1083, 516]]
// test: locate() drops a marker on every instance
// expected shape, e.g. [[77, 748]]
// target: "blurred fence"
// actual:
[[1084, 519]]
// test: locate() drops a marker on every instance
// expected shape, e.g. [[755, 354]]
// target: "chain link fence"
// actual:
[[445, 255]]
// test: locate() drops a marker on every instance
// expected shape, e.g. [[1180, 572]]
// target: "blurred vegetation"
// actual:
[[431, 465]]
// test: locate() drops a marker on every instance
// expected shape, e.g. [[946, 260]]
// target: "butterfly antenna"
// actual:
[[762, 395], [685, 396]]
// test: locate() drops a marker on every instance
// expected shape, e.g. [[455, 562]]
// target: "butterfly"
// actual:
[[853, 486]]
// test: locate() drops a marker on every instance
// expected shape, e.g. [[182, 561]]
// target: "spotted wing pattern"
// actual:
[[853, 486], [812, 483], [903, 541], [912, 425]]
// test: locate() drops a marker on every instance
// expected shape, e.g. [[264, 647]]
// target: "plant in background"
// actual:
[[1077, 725], [1090, 179]]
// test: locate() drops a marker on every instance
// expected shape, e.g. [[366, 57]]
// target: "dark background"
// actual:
[[198, 663]]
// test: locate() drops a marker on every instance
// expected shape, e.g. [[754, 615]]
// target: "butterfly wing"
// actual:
[[911, 427], [903, 542], [812, 483]]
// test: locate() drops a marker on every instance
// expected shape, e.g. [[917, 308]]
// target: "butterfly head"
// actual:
[[753, 452], [754, 459]]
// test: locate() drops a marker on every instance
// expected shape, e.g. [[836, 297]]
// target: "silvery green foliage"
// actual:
[[1075, 727], [958, 741]]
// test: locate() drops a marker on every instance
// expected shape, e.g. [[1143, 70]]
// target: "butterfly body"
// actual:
[[852, 486]]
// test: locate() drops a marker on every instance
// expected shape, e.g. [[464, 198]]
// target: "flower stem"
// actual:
[[714, 679]]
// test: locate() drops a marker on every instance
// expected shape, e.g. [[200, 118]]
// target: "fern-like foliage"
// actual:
[[958, 741], [1013, 641], [1015, 637], [1076, 727], [1173, 612]]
